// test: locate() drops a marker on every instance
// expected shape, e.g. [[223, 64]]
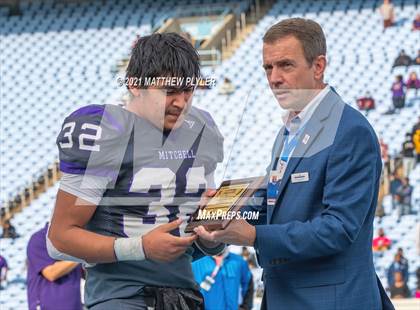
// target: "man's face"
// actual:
[[291, 78], [166, 107]]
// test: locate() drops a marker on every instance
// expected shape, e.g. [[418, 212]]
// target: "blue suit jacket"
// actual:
[[315, 245]]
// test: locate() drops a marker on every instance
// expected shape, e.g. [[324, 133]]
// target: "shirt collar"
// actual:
[[307, 112]]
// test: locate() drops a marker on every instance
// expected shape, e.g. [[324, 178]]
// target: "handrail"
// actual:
[[215, 57]]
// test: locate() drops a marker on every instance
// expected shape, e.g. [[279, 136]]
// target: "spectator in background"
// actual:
[[381, 243], [221, 278], [416, 22], [404, 193], [384, 151], [415, 136], [404, 261], [398, 93], [417, 294], [399, 288], [407, 152], [387, 12], [394, 185], [9, 230], [3, 271], [384, 154], [249, 257], [400, 264], [380, 211], [227, 87], [413, 82], [366, 103], [402, 60], [51, 284], [416, 60]]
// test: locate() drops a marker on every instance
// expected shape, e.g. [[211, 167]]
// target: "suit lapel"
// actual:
[[277, 147], [278, 144], [313, 131], [309, 135]]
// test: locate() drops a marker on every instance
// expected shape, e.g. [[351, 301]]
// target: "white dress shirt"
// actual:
[[304, 116]]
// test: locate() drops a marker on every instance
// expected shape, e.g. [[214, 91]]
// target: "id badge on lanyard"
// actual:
[[276, 175], [274, 182]]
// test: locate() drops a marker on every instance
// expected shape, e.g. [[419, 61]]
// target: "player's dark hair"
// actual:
[[162, 55], [308, 32]]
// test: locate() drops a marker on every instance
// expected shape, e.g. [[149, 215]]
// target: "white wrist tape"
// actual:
[[129, 249]]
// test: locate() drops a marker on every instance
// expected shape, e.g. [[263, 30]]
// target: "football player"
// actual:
[[131, 177]]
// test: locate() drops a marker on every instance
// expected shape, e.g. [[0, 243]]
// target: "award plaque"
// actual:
[[224, 206]]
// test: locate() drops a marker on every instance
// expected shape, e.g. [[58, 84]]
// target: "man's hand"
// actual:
[[239, 232], [160, 245]]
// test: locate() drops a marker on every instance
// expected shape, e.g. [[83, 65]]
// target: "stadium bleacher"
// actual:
[[56, 57], [352, 70]]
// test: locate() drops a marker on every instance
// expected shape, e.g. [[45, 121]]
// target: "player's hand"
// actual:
[[160, 245], [207, 195]]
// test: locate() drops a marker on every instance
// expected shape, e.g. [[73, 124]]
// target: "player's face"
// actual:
[[177, 105], [167, 107], [292, 80]]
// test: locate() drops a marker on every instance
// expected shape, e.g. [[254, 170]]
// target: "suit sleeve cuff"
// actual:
[[262, 233]]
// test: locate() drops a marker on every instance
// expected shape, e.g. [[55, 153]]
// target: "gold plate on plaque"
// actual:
[[225, 204]]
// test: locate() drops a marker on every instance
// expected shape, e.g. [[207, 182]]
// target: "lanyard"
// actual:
[[276, 175], [288, 146], [210, 280], [219, 265]]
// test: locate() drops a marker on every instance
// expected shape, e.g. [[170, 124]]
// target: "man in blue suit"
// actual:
[[315, 242]]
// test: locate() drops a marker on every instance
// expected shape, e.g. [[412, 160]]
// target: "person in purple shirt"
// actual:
[[51, 284], [413, 82], [398, 92], [3, 270], [416, 23]]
